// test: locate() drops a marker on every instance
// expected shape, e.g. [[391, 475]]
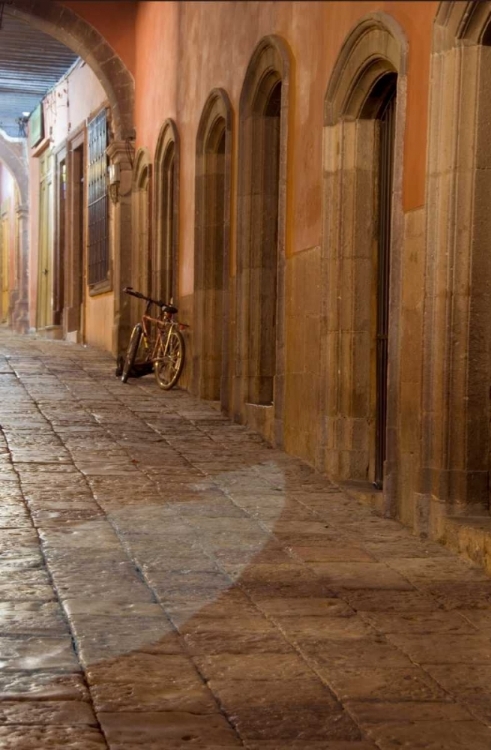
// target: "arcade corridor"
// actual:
[[169, 581], [252, 559]]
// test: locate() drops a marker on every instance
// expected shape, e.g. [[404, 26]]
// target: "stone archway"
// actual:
[[67, 27], [166, 212], [13, 155], [372, 61], [264, 120], [63, 24], [213, 175]]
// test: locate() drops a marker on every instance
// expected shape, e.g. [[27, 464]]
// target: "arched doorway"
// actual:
[[211, 251], [364, 128], [262, 168], [166, 246]]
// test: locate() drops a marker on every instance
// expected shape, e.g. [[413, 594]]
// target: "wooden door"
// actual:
[[45, 256]]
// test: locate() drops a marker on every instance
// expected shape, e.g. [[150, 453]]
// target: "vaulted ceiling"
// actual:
[[31, 62]]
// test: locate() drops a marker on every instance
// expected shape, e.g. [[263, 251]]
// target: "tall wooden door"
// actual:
[[45, 256], [60, 244], [78, 237]]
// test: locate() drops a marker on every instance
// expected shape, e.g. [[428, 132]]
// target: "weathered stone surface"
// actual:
[[432, 735], [245, 635], [452, 649], [153, 730], [21, 617], [53, 686], [368, 712], [421, 570], [360, 575], [354, 652], [154, 695], [333, 553], [253, 667], [469, 684], [305, 630], [54, 738], [110, 608], [300, 722], [304, 607], [219, 593], [390, 601], [460, 594], [412, 622], [246, 693], [142, 667], [312, 745], [37, 653], [17, 591], [410, 683], [68, 713]]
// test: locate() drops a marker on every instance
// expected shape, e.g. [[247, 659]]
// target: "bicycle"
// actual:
[[158, 341]]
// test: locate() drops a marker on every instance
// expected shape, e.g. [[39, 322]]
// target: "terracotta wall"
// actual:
[[156, 68], [315, 31], [115, 21]]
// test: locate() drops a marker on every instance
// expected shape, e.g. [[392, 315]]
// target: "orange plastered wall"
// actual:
[[115, 21], [206, 44], [184, 50], [157, 69]]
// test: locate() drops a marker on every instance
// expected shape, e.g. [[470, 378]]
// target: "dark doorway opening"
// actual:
[[386, 117]]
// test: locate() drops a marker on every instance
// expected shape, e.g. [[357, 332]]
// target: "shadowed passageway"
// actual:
[[170, 581]]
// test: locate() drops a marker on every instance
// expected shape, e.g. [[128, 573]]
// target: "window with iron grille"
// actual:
[[98, 239]]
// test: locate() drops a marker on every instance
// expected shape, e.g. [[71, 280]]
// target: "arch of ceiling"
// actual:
[[77, 34]]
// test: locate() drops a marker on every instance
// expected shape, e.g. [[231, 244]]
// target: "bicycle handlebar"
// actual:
[[159, 303]]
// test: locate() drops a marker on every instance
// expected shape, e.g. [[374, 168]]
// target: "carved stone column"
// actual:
[[121, 153]]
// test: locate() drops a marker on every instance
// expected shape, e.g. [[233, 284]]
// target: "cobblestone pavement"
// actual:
[[168, 582]]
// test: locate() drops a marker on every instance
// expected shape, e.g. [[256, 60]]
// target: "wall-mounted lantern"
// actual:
[[113, 181]]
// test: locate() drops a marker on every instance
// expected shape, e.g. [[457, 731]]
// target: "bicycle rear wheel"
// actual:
[[171, 361], [133, 346]]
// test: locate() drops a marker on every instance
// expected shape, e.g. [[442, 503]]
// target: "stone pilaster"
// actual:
[[121, 153]]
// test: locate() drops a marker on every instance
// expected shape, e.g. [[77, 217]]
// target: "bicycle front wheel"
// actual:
[[133, 346], [169, 365]]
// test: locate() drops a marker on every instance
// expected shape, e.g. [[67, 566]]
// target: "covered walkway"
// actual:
[[168, 581]]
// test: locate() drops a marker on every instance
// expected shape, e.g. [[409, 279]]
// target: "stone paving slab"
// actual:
[[167, 581]]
